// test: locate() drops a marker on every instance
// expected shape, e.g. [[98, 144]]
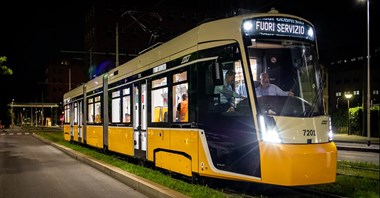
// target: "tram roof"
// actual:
[[40, 105]]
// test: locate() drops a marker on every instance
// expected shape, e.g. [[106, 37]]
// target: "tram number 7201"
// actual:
[[308, 132]]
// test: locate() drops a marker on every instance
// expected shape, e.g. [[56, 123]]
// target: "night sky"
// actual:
[[31, 33]]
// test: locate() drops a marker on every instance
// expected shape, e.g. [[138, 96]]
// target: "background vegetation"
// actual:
[[339, 119]]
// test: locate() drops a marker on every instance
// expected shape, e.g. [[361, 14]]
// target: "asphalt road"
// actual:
[[32, 168]]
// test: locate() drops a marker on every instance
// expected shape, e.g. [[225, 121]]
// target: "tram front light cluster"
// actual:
[[310, 33], [248, 25], [269, 130]]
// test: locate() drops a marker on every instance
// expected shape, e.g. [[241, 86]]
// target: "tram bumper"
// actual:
[[296, 165]]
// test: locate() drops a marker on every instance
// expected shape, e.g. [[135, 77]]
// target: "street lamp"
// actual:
[[368, 82], [348, 96]]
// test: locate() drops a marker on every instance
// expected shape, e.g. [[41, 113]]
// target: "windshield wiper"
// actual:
[[320, 89]]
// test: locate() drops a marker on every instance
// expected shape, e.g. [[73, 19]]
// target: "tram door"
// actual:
[[72, 120], [80, 120], [140, 119]]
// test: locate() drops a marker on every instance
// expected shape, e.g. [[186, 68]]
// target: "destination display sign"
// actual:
[[279, 26]]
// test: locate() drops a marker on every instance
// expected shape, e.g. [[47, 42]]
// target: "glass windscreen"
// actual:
[[286, 77]]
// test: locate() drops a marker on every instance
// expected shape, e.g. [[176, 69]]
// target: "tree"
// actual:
[[4, 70]]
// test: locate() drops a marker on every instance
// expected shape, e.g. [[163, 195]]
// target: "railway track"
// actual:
[[259, 190]]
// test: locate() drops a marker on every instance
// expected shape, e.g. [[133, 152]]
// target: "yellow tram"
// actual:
[[266, 137]]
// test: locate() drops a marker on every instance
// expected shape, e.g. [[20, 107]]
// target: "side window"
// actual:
[[90, 113], [222, 83], [180, 97], [159, 100], [98, 112], [76, 112], [115, 107], [126, 105], [226, 96], [94, 110], [67, 114]]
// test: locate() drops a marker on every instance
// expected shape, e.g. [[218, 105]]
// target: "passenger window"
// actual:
[[159, 96], [115, 107], [180, 97], [98, 118], [126, 105]]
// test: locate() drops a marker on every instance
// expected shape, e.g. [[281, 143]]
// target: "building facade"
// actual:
[[349, 76], [348, 89]]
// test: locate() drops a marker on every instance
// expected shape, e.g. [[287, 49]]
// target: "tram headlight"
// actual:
[[248, 26], [310, 33], [269, 130]]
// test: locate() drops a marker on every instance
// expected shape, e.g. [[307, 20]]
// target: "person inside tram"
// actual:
[[242, 90], [267, 89], [182, 109], [227, 94], [127, 117]]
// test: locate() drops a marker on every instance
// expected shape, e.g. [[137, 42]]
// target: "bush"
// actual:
[[339, 120]]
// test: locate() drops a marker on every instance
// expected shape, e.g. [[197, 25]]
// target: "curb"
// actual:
[[357, 142], [140, 184], [358, 149]]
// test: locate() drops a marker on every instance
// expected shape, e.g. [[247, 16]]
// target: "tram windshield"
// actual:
[[293, 84]]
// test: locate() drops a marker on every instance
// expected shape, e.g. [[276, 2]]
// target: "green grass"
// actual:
[[353, 179]]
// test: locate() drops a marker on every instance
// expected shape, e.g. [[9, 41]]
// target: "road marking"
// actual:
[[18, 133]]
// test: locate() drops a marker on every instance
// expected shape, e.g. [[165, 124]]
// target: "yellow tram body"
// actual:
[[282, 140]]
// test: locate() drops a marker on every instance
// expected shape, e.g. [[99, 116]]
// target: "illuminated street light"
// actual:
[[368, 107], [348, 95]]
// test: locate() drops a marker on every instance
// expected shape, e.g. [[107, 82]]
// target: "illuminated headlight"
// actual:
[[331, 134], [310, 33], [247, 26], [269, 131]]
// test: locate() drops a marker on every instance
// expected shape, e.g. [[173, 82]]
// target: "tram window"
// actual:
[[90, 114], [159, 105], [179, 77], [98, 118], [126, 105], [178, 91], [94, 110], [159, 82], [67, 114], [159, 100], [115, 106], [76, 112]]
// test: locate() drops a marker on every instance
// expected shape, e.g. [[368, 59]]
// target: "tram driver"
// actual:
[[267, 89]]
